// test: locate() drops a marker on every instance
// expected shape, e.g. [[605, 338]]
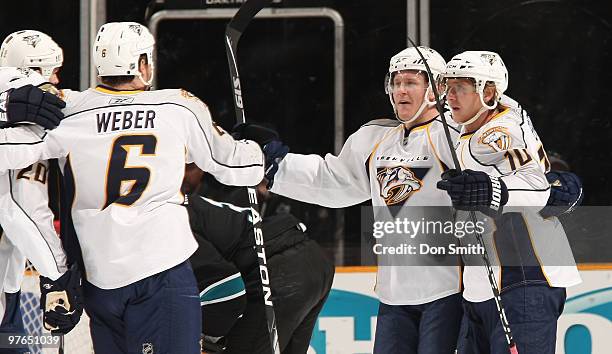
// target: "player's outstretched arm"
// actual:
[[31, 104], [334, 172], [231, 162], [268, 139], [22, 145], [331, 181], [62, 301]]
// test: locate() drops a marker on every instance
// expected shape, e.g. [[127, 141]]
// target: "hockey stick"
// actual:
[[61, 345], [485, 256], [233, 31]]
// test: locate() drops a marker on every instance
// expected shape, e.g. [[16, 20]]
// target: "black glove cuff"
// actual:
[[498, 194]]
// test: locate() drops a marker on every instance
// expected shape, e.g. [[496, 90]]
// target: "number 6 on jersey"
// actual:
[[118, 174]]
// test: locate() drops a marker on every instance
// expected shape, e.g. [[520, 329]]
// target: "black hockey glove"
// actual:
[[474, 190], [212, 345], [274, 151], [565, 193], [273, 148], [258, 133], [62, 301], [31, 104]]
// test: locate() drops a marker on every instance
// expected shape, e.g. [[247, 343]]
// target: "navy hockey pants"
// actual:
[[430, 328], [159, 314], [532, 312], [12, 321]]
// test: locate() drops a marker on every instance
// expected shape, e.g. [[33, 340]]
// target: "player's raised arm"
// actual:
[[331, 181], [232, 162]]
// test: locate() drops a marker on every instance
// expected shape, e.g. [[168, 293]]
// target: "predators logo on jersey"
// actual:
[[397, 184], [497, 138]]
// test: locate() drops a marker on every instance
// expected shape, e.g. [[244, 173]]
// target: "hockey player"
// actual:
[[122, 151], [27, 222], [503, 175], [226, 268], [395, 163], [30, 50], [35, 50]]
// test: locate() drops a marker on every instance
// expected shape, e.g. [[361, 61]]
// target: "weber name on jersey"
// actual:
[[394, 167], [508, 147]]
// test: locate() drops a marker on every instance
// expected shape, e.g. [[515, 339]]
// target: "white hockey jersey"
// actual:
[[123, 156], [38, 238], [508, 147], [25, 217], [394, 167]]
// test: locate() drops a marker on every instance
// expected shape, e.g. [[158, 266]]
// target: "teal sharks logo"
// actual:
[[345, 324], [586, 324]]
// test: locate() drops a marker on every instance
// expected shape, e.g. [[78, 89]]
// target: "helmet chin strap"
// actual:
[[485, 107], [147, 84], [426, 103]]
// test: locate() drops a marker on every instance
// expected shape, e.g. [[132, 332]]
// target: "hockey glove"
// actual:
[[31, 104], [274, 149], [565, 193], [62, 301], [213, 345], [474, 190], [259, 134]]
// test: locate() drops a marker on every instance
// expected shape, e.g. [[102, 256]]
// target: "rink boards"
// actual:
[[348, 321]]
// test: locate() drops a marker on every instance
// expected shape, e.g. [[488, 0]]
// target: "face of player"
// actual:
[[408, 89], [53, 78], [462, 98], [146, 70]]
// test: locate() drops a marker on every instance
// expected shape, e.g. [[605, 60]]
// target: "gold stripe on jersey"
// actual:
[[117, 92], [443, 167], [461, 154], [380, 142], [499, 115], [535, 252], [468, 135]]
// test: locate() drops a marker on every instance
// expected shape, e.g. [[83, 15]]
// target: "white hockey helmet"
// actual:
[[31, 49], [118, 47], [483, 67], [409, 59]]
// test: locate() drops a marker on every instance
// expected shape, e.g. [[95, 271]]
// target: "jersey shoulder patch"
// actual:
[[383, 122], [496, 137], [502, 132]]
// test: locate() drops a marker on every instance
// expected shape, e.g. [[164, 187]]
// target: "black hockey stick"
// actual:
[[233, 31], [485, 256]]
